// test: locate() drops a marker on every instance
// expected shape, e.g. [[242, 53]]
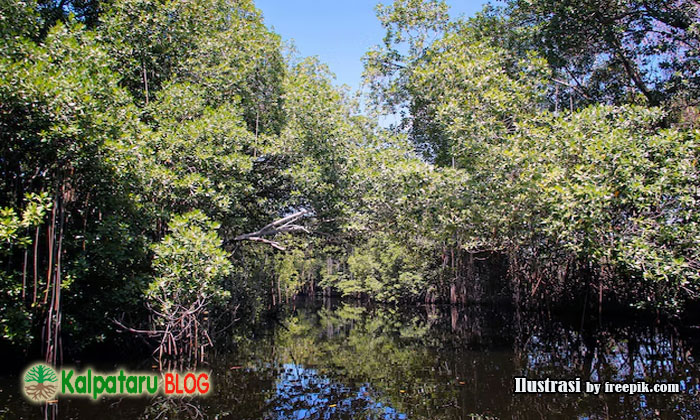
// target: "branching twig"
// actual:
[[283, 225]]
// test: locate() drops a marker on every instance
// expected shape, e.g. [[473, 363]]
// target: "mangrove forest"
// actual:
[[513, 193]]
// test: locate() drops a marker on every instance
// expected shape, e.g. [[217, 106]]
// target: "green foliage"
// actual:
[[17, 19], [220, 45], [189, 265], [200, 162], [619, 191], [477, 94], [293, 270], [12, 225], [604, 187], [385, 270], [408, 23], [62, 110], [621, 52], [321, 136], [15, 321]]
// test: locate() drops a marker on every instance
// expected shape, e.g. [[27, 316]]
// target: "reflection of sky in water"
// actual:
[[302, 393]]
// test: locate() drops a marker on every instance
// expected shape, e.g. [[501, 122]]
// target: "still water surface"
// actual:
[[341, 360]]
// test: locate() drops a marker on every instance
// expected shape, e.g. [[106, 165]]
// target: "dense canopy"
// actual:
[[151, 151]]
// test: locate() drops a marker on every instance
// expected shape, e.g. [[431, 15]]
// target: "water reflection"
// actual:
[[303, 393], [347, 361]]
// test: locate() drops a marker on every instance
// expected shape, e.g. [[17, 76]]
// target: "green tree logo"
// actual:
[[40, 383]]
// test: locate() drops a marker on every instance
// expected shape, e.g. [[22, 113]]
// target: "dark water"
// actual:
[[345, 361]]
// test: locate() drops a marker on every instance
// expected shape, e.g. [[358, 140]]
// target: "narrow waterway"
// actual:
[[343, 360]]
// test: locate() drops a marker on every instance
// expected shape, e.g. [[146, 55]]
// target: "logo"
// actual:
[[40, 383]]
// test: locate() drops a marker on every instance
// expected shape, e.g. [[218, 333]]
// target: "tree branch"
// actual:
[[135, 331], [283, 225]]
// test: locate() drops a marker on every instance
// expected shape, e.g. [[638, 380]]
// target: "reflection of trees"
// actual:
[[438, 362], [457, 361], [619, 353], [169, 408], [443, 362]]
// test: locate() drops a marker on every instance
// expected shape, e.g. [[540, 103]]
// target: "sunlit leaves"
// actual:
[[189, 263]]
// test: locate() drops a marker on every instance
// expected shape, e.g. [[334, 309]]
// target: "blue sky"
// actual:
[[338, 32]]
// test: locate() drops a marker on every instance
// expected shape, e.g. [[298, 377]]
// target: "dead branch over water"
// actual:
[[283, 225]]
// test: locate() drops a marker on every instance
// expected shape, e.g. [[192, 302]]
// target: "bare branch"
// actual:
[[283, 225], [285, 220], [273, 244], [132, 330]]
